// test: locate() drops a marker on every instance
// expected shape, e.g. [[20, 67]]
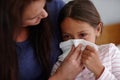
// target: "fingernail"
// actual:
[[80, 45]]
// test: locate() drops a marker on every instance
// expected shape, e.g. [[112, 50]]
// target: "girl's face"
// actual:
[[33, 13], [75, 29]]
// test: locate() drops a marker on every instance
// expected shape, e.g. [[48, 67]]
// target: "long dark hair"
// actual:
[[82, 10], [10, 17]]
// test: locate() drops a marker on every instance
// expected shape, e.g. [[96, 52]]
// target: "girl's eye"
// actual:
[[83, 35], [67, 37]]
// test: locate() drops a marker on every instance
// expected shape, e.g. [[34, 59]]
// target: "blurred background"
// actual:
[[109, 10]]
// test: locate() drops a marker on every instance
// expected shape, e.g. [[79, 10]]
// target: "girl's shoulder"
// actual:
[[108, 49], [110, 45]]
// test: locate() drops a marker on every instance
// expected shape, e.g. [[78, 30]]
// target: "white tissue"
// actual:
[[67, 45]]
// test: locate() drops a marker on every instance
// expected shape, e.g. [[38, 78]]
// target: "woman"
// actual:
[[25, 45]]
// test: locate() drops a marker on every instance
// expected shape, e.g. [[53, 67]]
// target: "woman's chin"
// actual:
[[30, 25]]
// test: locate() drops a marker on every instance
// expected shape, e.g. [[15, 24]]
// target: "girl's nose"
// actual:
[[76, 37]]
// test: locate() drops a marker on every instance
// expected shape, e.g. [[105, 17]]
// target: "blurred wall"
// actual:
[[109, 10]]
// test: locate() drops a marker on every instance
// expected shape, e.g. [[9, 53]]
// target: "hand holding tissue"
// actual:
[[67, 45]]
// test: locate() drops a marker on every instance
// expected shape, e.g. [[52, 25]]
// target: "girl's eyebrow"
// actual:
[[83, 31], [65, 33]]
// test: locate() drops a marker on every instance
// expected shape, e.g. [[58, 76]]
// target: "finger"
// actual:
[[71, 51], [77, 51], [83, 61], [90, 51], [85, 56], [86, 52], [88, 47], [79, 56]]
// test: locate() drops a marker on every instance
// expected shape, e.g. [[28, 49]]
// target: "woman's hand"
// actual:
[[70, 67], [91, 60]]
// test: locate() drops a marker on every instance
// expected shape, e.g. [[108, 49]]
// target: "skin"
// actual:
[[32, 15], [77, 29]]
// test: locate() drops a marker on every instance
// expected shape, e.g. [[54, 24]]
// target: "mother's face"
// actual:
[[33, 13]]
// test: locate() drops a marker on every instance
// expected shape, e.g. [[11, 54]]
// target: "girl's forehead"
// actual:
[[71, 25], [72, 22]]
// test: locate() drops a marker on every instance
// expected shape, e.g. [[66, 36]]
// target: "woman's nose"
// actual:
[[44, 13]]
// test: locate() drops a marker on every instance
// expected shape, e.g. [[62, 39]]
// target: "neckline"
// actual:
[[23, 43]]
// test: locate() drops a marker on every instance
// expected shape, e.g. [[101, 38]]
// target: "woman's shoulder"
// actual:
[[55, 4]]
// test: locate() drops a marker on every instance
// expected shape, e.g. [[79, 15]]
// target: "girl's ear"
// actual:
[[99, 29]]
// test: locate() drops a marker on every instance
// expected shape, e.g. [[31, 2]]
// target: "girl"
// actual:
[[79, 19]]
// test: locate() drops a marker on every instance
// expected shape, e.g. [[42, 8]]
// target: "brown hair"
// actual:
[[83, 10], [10, 18]]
